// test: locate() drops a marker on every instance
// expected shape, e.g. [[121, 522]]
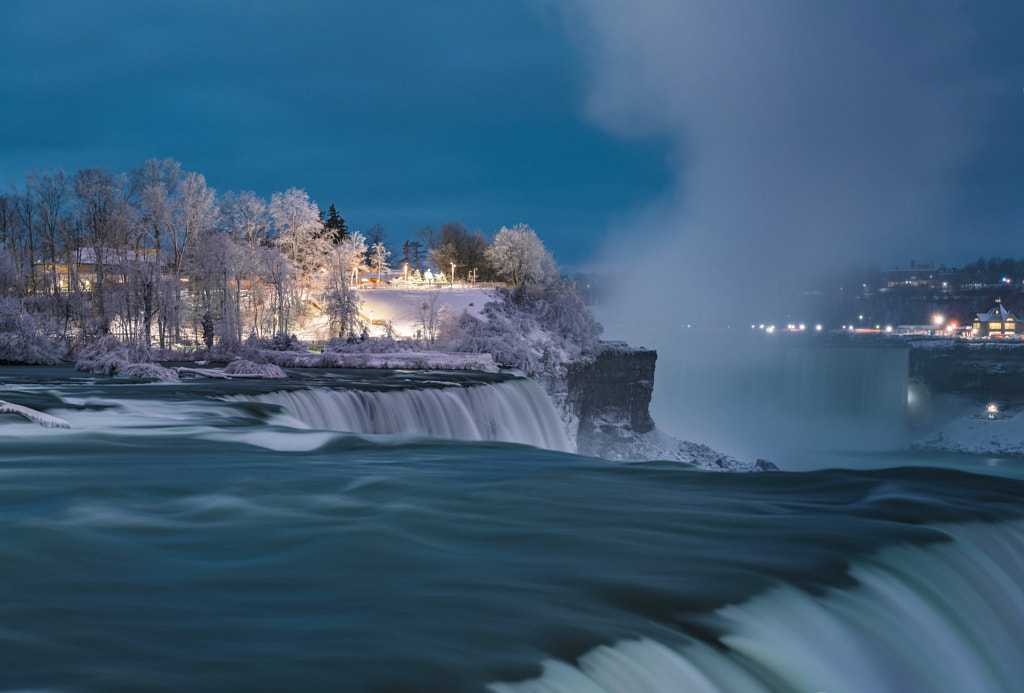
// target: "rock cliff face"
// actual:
[[980, 370], [611, 397]]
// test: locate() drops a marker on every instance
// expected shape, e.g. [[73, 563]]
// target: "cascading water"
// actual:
[[945, 617], [514, 411], [756, 395]]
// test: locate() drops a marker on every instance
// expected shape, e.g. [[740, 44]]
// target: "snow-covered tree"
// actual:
[[379, 258], [195, 213], [341, 300], [297, 230], [519, 255], [428, 318], [351, 253], [244, 215], [277, 273]]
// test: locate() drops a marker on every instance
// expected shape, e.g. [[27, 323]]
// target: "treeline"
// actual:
[[158, 259]]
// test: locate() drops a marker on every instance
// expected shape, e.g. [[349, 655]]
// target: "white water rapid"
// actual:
[[938, 618]]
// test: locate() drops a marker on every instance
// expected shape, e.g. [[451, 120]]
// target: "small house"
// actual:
[[998, 322]]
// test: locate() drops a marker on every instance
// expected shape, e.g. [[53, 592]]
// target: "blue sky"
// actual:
[[876, 131], [399, 113]]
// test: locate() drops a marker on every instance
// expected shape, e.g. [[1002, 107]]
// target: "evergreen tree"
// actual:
[[335, 229]]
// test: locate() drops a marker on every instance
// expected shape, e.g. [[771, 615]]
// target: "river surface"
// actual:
[[209, 536]]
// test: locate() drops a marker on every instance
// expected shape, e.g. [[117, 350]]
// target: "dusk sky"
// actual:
[[733, 131]]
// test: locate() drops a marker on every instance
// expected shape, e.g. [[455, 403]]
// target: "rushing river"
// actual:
[[220, 536]]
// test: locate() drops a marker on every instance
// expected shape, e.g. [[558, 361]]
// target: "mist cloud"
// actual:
[[804, 136]]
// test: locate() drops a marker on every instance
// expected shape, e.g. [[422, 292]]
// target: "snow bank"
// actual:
[[398, 360], [402, 308], [657, 445], [979, 435]]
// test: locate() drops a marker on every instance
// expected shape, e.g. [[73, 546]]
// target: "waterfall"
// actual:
[[753, 396], [944, 617], [514, 411]]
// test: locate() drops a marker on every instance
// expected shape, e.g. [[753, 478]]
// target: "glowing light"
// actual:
[[817, 328], [803, 327], [888, 328], [938, 319]]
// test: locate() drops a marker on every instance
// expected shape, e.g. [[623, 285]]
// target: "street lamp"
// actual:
[[453, 274]]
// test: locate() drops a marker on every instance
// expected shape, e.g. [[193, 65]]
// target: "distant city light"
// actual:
[[817, 328], [938, 319], [888, 328], [803, 327]]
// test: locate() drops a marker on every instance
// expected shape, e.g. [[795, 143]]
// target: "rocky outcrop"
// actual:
[[611, 397], [605, 407]]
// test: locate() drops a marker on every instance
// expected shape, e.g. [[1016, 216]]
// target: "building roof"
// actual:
[[998, 313]]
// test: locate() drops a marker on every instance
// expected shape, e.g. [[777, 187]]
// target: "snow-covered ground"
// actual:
[[403, 307], [980, 435]]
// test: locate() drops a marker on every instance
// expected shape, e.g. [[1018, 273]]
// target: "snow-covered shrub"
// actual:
[[372, 345], [227, 348], [25, 338], [149, 370], [244, 367], [106, 356], [539, 331], [109, 356], [284, 342], [288, 359]]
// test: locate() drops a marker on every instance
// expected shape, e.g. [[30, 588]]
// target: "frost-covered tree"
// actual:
[[195, 213], [277, 274], [244, 215], [215, 268], [49, 191], [519, 256], [102, 214], [351, 253], [297, 230], [25, 338], [153, 185], [341, 300], [428, 318], [379, 258]]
